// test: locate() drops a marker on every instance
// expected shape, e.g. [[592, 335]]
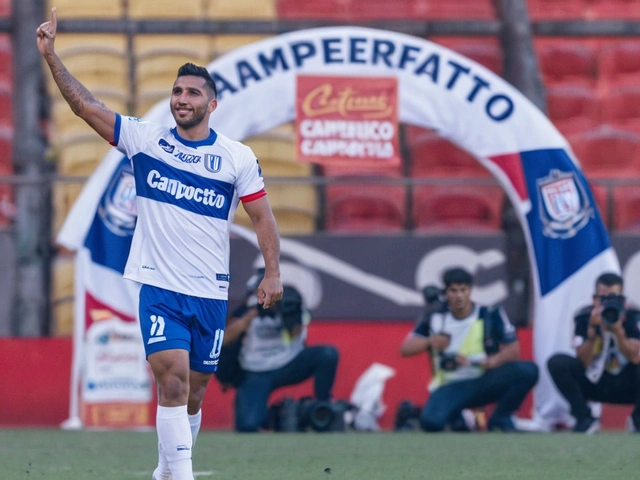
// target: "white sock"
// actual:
[[195, 421], [172, 424], [163, 465]]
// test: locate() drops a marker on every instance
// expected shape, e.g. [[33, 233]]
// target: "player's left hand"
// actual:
[[269, 291]]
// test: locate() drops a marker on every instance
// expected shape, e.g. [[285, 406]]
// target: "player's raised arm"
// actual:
[[83, 104]]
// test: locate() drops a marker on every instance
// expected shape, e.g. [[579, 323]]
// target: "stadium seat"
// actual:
[[295, 208], [485, 51], [6, 59], [463, 208], [6, 107], [619, 62], [241, 9], [5, 8], [615, 9], [80, 156], [64, 196], [365, 207], [557, 10], [621, 107], [567, 61], [607, 153], [573, 109], [90, 9], [379, 9], [455, 10], [158, 58], [7, 204], [320, 9], [601, 196], [6, 145], [99, 61], [626, 215], [169, 9], [434, 156], [65, 125], [222, 44]]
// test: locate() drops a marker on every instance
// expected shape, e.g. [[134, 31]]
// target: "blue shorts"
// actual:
[[170, 320]]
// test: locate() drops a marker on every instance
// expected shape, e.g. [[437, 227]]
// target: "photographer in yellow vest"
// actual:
[[475, 358]]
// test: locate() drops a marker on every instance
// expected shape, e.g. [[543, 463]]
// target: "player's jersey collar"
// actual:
[[210, 140]]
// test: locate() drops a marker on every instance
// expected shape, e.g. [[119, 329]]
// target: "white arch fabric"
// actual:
[[467, 104]]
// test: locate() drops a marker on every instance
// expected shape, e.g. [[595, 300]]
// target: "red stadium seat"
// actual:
[[485, 51], [555, 10], [622, 107], [620, 9], [573, 109], [379, 9], [567, 61], [6, 57], [321, 9], [607, 152], [620, 62], [5, 8], [600, 195], [6, 107], [441, 208], [627, 208], [433, 156], [456, 9], [365, 208]]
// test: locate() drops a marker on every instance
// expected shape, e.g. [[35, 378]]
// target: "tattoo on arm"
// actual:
[[76, 94]]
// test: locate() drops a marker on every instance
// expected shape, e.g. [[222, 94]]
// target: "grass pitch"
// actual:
[[85, 455]]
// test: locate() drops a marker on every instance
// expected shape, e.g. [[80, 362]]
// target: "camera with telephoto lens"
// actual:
[[612, 308]]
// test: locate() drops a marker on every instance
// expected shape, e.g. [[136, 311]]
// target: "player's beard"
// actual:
[[197, 115]]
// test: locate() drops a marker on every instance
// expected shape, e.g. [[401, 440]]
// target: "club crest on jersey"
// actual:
[[564, 205], [213, 163], [166, 146], [117, 208]]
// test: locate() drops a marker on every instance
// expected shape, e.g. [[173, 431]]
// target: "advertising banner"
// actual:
[[347, 120]]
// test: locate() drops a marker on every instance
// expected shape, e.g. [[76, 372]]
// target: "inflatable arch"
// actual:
[[467, 104]]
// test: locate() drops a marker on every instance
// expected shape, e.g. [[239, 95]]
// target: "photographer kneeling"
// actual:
[[475, 359], [607, 367], [273, 354]]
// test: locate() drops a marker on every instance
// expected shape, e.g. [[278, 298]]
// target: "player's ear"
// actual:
[[213, 104]]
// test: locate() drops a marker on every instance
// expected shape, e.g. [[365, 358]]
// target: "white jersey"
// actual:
[[186, 194]]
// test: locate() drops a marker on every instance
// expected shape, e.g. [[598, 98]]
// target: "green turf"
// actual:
[[53, 454]]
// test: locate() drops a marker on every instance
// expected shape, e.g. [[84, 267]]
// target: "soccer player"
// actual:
[[189, 180]]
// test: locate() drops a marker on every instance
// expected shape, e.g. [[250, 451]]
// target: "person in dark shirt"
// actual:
[[475, 357], [606, 367]]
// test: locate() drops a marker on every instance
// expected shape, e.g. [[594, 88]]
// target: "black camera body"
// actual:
[[612, 308], [448, 362], [289, 307]]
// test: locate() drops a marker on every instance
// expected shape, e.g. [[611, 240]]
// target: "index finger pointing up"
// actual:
[[54, 20]]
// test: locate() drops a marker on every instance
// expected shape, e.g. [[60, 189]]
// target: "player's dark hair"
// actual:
[[194, 70], [456, 275], [609, 279]]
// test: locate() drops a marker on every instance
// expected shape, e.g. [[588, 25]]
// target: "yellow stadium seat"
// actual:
[[169, 9], [158, 58], [302, 197], [222, 9], [82, 155], [97, 60], [221, 44], [62, 295], [64, 196], [147, 99], [66, 125], [90, 9]]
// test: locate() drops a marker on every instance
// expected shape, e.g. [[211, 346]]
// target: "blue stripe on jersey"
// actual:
[[158, 181], [116, 130]]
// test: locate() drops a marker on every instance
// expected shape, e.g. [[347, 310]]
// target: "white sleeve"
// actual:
[[129, 134], [249, 183]]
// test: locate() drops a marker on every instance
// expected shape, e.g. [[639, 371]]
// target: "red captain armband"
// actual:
[[253, 196]]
